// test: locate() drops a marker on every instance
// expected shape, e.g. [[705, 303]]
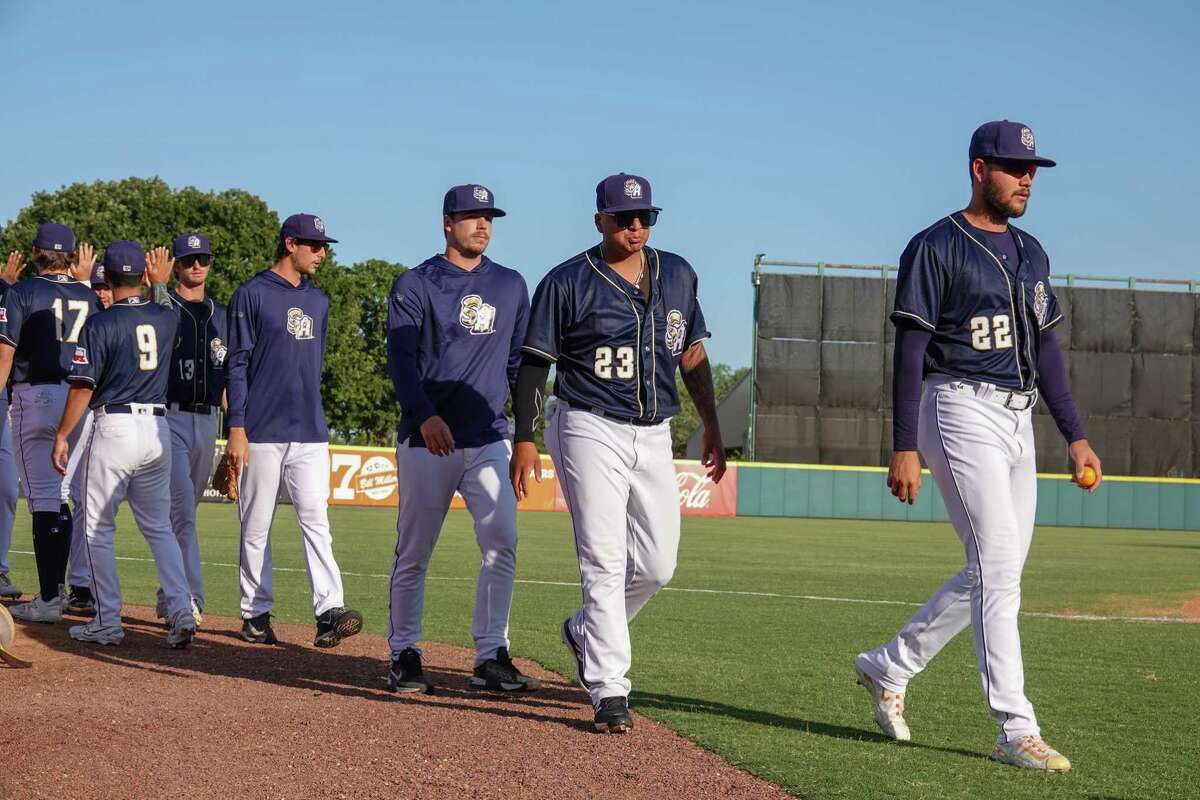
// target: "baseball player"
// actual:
[[455, 325], [118, 370], [100, 286], [40, 324], [194, 391], [617, 320], [277, 431], [8, 467], [974, 318]]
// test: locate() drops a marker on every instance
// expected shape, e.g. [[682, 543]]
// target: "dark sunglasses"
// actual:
[[187, 262], [1016, 168], [624, 219], [314, 246]]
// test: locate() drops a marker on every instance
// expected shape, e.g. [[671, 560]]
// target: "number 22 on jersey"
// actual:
[[77, 307], [985, 332], [604, 366]]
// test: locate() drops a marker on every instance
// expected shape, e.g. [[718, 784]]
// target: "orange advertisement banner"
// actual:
[[366, 476]]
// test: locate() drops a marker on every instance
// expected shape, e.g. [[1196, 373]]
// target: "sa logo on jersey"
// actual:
[[218, 350], [1041, 302], [477, 316], [299, 324], [80, 356], [676, 331]]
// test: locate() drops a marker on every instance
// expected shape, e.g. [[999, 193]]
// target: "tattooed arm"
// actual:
[[697, 377]]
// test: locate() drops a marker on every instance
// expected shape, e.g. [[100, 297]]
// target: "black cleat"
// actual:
[[500, 674], [406, 676], [257, 630], [612, 716], [81, 602], [337, 624]]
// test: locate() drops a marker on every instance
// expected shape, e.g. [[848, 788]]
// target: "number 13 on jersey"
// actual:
[[604, 367]]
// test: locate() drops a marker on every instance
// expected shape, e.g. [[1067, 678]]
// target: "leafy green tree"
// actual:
[[687, 420]]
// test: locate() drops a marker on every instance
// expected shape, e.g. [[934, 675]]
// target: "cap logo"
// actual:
[[633, 189], [194, 242], [100, 272], [126, 268], [1027, 138], [481, 194], [57, 246], [319, 224]]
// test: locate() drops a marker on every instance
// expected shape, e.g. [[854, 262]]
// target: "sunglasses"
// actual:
[[187, 262], [1017, 169], [624, 219], [310, 244]]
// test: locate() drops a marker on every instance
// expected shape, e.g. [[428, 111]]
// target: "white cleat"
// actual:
[[183, 629], [39, 610], [7, 587], [196, 615], [888, 706], [1031, 752], [98, 634]]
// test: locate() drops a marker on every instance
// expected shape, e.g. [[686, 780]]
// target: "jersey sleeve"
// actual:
[[920, 285], [87, 363], [518, 335], [243, 334], [547, 315], [697, 329], [406, 314], [1054, 314], [12, 317]]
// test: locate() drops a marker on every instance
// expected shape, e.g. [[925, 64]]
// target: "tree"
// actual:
[[687, 420]]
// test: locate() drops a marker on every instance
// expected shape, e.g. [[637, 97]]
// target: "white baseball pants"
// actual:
[[427, 484], [619, 483], [193, 448], [304, 469], [129, 457], [73, 489], [8, 483], [35, 414], [982, 457]]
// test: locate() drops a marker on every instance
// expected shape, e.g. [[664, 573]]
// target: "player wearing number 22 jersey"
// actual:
[[40, 325]]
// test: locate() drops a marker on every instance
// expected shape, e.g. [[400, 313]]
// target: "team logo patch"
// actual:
[[194, 242], [80, 356], [100, 272], [1041, 302], [126, 268], [218, 350], [3, 314], [299, 324], [481, 194], [676, 331], [633, 188], [319, 224], [1027, 138], [477, 316], [57, 246]]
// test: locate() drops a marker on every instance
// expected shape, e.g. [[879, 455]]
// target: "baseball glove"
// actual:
[[7, 632], [225, 479]]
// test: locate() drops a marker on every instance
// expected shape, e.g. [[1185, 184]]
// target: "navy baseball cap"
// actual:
[[190, 244], [470, 197], [309, 227], [624, 192], [124, 258], [1011, 141], [52, 236], [98, 274]]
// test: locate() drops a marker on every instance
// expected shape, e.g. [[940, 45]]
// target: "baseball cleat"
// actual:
[[81, 602], [258, 630], [888, 706], [574, 648], [612, 716], [500, 674], [98, 634], [183, 629], [1031, 752], [39, 610], [196, 615], [405, 674], [7, 587], [337, 624]]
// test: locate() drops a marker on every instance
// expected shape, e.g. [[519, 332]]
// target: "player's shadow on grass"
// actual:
[[667, 702], [222, 653]]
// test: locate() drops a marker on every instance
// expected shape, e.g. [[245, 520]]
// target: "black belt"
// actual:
[[615, 417], [194, 408], [157, 411]]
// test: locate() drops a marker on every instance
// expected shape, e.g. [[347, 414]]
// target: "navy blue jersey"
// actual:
[[615, 349], [454, 347], [276, 352], [985, 318], [43, 318], [201, 346], [124, 352]]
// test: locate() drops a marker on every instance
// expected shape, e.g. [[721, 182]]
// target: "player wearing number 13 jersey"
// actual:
[[40, 325]]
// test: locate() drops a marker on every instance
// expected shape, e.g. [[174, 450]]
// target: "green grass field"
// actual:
[[767, 681]]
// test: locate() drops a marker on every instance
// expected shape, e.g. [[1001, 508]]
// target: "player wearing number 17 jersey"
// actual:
[[40, 324]]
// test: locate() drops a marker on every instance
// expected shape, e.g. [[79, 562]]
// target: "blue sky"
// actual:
[[827, 132]]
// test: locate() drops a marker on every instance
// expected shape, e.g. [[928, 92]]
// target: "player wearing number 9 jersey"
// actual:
[[40, 325], [120, 371]]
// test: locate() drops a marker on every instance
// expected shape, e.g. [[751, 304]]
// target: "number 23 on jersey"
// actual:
[[610, 362]]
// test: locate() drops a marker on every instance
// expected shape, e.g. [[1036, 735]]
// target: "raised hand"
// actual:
[[83, 266], [159, 264], [12, 269]]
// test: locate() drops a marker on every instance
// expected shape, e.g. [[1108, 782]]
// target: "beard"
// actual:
[[1001, 206]]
